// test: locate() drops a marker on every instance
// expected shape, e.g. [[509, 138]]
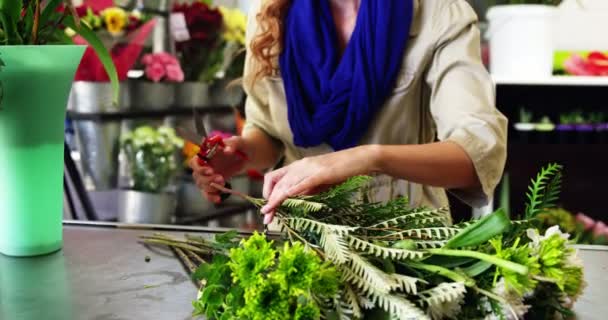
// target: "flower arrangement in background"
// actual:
[[122, 32], [151, 156], [584, 229], [592, 63], [201, 53], [162, 66], [113, 20], [235, 25]]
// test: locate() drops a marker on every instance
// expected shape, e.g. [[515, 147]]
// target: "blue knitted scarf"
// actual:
[[332, 98]]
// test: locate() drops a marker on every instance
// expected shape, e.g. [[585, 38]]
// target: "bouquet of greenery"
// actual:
[[345, 257], [151, 155]]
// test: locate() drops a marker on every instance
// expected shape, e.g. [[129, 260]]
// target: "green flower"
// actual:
[[521, 284], [574, 281], [265, 301], [552, 255], [251, 259]]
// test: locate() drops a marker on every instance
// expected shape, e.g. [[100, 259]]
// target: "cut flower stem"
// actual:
[[515, 267]]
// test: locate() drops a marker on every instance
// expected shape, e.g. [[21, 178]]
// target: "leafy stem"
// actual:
[[515, 267]]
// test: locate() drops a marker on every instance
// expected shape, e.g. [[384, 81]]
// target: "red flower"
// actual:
[[596, 64], [203, 22]]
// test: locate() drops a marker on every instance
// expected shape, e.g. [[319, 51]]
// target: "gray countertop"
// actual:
[[101, 274]]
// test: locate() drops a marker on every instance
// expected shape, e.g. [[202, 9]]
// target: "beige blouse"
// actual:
[[443, 93]]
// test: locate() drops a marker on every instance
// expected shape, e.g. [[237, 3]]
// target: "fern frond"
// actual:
[[376, 278], [438, 233], [308, 225], [335, 247], [552, 191], [430, 244], [366, 303], [543, 190], [349, 303], [406, 283], [398, 307], [306, 206], [344, 191], [444, 300], [421, 217], [384, 252]]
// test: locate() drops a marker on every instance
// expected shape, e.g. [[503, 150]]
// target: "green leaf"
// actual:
[[102, 52], [544, 190], [477, 268], [49, 9], [481, 231], [10, 15], [227, 237]]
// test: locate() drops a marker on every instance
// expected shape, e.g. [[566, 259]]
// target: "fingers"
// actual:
[[204, 176], [232, 145], [270, 180]]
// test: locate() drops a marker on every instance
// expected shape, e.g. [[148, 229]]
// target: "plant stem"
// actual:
[[176, 245], [442, 272], [515, 267], [36, 25]]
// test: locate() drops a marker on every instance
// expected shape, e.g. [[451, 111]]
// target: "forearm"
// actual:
[[441, 164], [262, 151]]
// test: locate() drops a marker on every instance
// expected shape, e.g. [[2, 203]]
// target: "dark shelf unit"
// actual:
[[585, 163]]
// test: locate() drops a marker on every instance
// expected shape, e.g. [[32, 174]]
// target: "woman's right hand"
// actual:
[[224, 165]]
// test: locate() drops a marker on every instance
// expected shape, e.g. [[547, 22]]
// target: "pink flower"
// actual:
[[175, 73], [600, 229], [166, 58], [147, 59], [155, 72], [585, 221]]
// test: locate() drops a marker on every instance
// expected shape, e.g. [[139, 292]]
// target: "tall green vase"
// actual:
[[37, 82]]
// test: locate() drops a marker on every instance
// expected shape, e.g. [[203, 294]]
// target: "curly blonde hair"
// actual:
[[266, 46]]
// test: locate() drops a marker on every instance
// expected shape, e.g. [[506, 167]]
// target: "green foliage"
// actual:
[[481, 231], [257, 281], [348, 258], [544, 190]]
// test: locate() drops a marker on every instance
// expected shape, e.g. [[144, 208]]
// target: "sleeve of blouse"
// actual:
[[257, 110], [462, 100]]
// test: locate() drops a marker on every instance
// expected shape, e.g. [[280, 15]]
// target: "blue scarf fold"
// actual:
[[331, 98]]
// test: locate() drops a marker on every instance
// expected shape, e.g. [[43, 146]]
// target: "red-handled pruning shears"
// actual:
[[209, 146]]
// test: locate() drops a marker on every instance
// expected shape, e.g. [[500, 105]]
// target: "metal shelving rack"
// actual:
[[76, 194]]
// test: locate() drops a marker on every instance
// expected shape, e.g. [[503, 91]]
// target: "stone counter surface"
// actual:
[[102, 274]]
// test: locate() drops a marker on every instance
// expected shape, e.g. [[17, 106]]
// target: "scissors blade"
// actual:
[[189, 135], [198, 123]]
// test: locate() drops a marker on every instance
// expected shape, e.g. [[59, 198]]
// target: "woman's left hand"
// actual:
[[311, 175]]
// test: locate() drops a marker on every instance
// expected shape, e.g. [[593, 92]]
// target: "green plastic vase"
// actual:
[[36, 82]]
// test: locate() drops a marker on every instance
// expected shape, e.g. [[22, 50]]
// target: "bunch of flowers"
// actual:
[[113, 20], [122, 32], [235, 25], [201, 53], [593, 64], [349, 258], [151, 157], [162, 66], [584, 229]]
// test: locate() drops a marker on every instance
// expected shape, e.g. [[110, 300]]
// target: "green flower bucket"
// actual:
[[37, 82]]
